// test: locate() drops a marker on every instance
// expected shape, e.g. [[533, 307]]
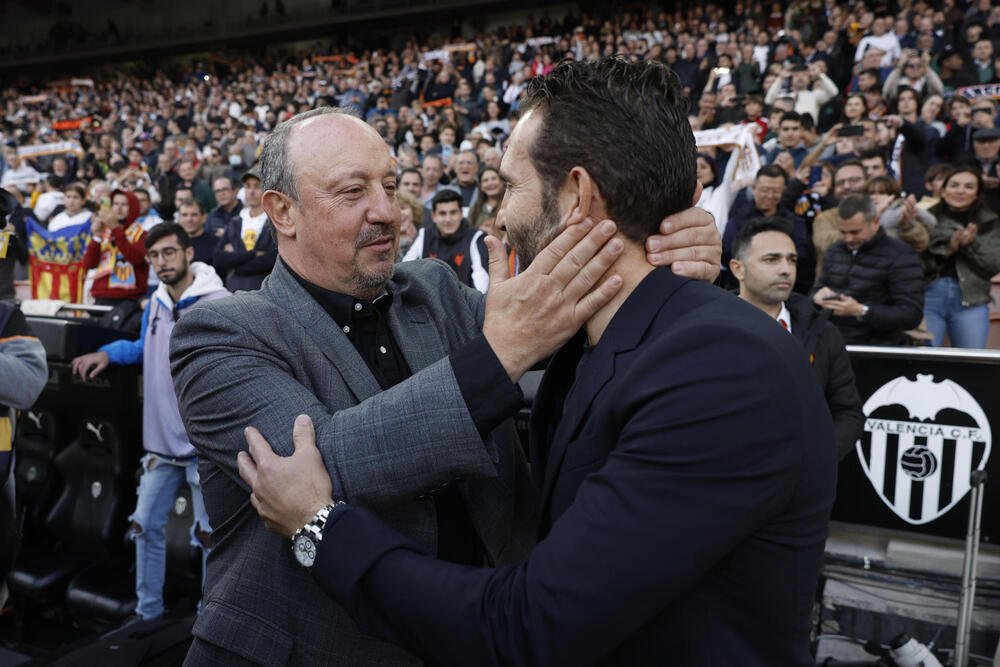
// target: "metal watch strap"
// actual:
[[315, 526]]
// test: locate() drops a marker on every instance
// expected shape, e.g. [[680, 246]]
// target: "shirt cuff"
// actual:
[[489, 394]]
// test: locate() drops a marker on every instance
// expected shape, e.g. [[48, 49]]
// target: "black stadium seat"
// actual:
[[86, 521], [37, 441]]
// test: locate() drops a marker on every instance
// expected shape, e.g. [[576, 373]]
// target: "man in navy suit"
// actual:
[[681, 447]]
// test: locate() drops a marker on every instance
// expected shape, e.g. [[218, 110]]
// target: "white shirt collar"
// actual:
[[785, 316]]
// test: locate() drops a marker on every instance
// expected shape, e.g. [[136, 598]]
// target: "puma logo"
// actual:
[[36, 419], [96, 430]]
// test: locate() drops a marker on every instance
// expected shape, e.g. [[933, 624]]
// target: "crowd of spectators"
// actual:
[[892, 99]]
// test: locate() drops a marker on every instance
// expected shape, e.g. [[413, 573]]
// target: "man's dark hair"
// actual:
[[771, 171], [853, 162], [143, 191], [445, 196], [791, 116], [941, 169], [412, 170], [165, 229], [78, 189], [767, 223], [871, 155], [857, 203], [53, 181], [193, 202], [806, 120], [626, 124]]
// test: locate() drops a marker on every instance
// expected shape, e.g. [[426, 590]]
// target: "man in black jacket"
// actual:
[[764, 261], [453, 241], [247, 250], [871, 282], [765, 200]]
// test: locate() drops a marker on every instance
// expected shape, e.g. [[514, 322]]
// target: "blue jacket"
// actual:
[[163, 431]]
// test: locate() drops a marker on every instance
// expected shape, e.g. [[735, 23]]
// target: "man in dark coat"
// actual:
[[764, 261], [871, 282]]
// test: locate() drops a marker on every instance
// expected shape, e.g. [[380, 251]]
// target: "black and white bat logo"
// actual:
[[922, 440]]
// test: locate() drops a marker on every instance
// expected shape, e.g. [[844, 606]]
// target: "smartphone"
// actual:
[[831, 297], [721, 70], [851, 131]]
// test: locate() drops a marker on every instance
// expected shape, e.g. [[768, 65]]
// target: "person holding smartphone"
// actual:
[[871, 282], [117, 250]]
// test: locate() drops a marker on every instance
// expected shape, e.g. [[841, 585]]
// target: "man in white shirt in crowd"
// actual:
[[18, 173], [808, 99], [881, 38], [50, 199]]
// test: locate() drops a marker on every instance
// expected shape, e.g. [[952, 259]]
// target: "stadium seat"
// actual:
[[37, 441], [86, 519]]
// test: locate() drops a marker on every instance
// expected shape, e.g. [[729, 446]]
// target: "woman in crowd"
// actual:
[[495, 123], [854, 109], [411, 214], [491, 191], [964, 253], [930, 113]]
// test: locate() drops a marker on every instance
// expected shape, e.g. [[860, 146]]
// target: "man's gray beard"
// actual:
[[375, 281]]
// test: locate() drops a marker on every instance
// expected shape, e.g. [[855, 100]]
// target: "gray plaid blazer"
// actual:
[[260, 359]]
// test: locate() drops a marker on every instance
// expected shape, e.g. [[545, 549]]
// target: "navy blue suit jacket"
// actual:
[[686, 482]]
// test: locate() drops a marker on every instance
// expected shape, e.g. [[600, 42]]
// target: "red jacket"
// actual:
[[131, 271]]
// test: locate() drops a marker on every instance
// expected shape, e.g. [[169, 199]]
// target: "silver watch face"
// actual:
[[305, 550]]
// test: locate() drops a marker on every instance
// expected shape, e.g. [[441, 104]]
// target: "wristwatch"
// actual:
[[864, 311], [306, 539]]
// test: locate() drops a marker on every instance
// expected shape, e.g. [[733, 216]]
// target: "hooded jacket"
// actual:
[[126, 245], [163, 432]]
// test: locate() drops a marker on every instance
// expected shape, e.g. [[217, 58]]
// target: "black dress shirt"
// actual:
[[489, 394]]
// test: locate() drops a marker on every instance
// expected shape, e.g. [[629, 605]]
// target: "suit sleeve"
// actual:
[[387, 450], [616, 557], [842, 393]]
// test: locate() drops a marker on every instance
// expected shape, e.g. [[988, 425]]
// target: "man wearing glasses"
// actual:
[[228, 209], [912, 71], [170, 459]]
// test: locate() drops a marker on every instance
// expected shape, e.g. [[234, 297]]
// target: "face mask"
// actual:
[[235, 160]]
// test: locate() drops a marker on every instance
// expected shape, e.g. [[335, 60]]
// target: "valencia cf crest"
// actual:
[[922, 440]]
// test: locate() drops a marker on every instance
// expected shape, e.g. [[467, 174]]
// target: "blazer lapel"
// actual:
[[416, 335], [624, 333], [284, 290]]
